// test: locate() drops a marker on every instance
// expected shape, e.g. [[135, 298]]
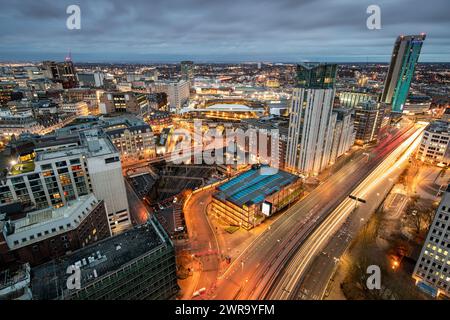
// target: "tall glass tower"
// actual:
[[401, 70], [310, 123], [316, 75], [187, 70]]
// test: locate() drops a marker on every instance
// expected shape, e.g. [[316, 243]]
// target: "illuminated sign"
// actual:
[[266, 208]]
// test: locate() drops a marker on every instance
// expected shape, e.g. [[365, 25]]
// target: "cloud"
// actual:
[[250, 29]]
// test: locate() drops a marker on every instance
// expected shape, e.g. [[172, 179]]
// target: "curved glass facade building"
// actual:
[[401, 70]]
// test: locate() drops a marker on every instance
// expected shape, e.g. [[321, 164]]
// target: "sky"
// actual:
[[219, 31]]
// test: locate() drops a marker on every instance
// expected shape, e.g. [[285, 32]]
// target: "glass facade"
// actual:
[[401, 70], [51, 186], [316, 76]]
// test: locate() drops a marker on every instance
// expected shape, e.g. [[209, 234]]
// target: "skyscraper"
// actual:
[[401, 70], [310, 133], [432, 271], [187, 70], [368, 118]]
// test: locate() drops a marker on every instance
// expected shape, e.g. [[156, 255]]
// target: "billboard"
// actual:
[[266, 208]]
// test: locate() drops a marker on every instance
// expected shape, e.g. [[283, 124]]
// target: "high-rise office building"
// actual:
[[432, 271], [136, 265], [118, 102], [63, 72], [91, 79], [350, 99], [435, 144], [310, 133], [401, 70], [61, 170], [187, 70], [343, 132], [368, 118], [177, 93]]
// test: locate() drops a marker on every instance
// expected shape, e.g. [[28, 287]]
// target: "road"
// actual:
[[202, 242], [301, 280], [252, 274]]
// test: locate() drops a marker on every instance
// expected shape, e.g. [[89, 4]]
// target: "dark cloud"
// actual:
[[283, 30]]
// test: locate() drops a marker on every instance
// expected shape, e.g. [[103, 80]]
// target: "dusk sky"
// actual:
[[221, 31]]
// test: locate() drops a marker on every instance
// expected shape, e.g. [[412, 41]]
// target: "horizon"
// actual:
[[177, 60]]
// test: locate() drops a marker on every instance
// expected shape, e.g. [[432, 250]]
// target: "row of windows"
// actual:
[[40, 234], [434, 280], [53, 230]]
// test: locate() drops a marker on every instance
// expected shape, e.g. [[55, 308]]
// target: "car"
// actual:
[[199, 292]]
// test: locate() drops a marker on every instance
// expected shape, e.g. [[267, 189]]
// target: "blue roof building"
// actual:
[[248, 198]]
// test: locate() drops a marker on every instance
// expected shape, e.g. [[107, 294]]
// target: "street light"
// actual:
[[395, 264]]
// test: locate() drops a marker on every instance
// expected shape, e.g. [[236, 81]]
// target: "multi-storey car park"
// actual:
[[247, 199]]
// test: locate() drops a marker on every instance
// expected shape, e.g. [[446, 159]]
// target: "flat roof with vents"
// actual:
[[96, 260]]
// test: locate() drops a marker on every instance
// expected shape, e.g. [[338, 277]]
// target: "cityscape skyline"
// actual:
[[170, 32], [217, 152]]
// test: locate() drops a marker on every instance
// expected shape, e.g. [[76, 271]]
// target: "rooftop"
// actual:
[[11, 283], [22, 168], [89, 142], [253, 186], [93, 144], [96, 260], [46, 223], [438, 126], [269, 123], [229, 107]]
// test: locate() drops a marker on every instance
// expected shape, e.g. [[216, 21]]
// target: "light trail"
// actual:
[[285, 288]]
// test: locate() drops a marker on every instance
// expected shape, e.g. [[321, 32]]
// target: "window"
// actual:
[[61, 163], [47, 166], [74, 161], [111, 160]]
